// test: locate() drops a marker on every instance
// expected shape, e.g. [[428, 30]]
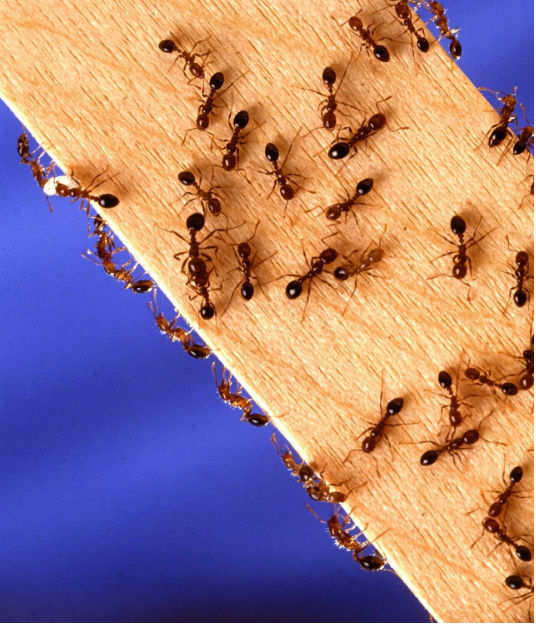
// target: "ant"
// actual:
[[341, 149], [286, 190], [479, 377], [236, 400], [498, 132], [343, 539], [356, 24], [317, 265], [209, 200], [122, 273], [362, 188], [491, 525], [230, 158], [175, 333], [375, 432], [455, 417], [68, 187], [453, 445], [403, 13], [527, 379], [39, 172], [246, 263], [206, 107], [370, 256], [198, 71], [440, 20], [460, 259], [329, 105], [495, 508], [521, 295], [516, 582]]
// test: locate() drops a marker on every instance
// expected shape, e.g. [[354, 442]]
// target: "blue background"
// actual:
[[129, 491]]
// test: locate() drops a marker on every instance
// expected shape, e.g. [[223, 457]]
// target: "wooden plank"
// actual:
[[401, 327]]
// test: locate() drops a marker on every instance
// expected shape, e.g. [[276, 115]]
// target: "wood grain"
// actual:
[[92, 86]]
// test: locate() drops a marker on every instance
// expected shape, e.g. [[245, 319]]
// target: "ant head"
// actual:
[[395, 406], [444, 379], [241, 119], [355, 23], [328, 76], [107, 201], [216, 80], [186, 178], [422, 44], [457, 225], [195, 222], [202, 120], [328, 255], [286, 191], [167, 46], [214, 206], [271, 152], [364, 186], [369, 443], [509, 389], [333, 213], [244, 249], [381, 53], [375, 255], [522, 258], [329, 120], [459, 270], [376, 122], [472, 373]]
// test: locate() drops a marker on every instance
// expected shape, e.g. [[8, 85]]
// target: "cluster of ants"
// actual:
[[198, 264]]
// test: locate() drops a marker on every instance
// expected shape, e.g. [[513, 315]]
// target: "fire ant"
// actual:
[[230, 158], [499, 131], [356, 24], [68, 187], [479, 377], [527, 379], [39, 172], [343, 539], [175, 333], [521, 271], [460, 259], [206, 107], [334, 211], [340, 149], [495, 508], [317, 265], [329, 105], [370, 256], [491, 525], [315, 486], [236, 400], [403, 13], [286, 190], [453, 445], [209, 200], [440, 20], [455, 417], [198, 71]]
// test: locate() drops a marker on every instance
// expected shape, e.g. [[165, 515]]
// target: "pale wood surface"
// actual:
[[91, 84]]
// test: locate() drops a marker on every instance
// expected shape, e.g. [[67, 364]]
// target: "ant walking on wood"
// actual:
[[237, 400], [190, 58], [365, 32], [521, 275], [499, 131]]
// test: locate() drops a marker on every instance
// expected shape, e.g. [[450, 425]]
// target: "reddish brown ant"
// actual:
[[499, 131], [479, 377], [39, 172], [209, 200], [286, 190], [334, 211], [68, 187], [404, 15], [175, 333], [197, 70], [491, 525], [526, 380], [455, 417], [231, 156], [525, 138], [356, 24], [460, 258], [236, 400], [440, 20], [521, 274]]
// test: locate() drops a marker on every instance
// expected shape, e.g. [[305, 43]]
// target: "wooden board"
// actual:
[[98, 95]]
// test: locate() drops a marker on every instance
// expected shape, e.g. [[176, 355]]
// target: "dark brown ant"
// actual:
[[521, 274], [197, 70], [453, 445], [68, 187], [526, 380], [460, 258], [206, 107], [525, 137], [499, 131], [340, 149], [455, 417], [231, 155], [369, 258], [404, 14], [317, 265], [121, 273], [363, 187], [491, 525], [237, 400], [356, 24], [330, 104], [175, 333], [343, 539], [286, 190], [440, 20], [479, 377], [495, 508], [375, 432], [209, 200]]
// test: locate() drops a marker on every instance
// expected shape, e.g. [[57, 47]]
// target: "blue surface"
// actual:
[[128, 491]]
